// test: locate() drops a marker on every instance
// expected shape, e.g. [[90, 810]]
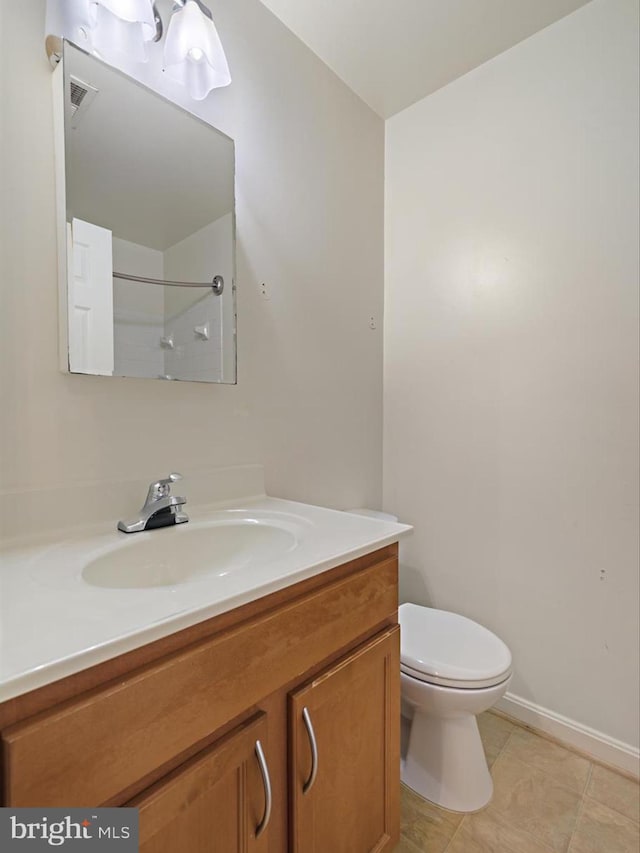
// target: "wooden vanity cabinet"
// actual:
[[172, 728]]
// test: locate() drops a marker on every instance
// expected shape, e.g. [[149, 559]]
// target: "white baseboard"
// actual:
[[595, 744]]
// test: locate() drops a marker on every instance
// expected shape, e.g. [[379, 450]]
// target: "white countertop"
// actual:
[[53, 623]]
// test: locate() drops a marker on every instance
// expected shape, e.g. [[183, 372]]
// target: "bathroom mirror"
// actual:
[[147, 196]]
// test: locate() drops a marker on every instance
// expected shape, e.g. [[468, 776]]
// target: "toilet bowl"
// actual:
[[451, 670]]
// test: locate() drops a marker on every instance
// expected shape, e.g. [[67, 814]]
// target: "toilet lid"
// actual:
[[449, 649]]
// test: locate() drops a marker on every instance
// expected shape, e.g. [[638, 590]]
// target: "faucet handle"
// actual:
[[162, 488]]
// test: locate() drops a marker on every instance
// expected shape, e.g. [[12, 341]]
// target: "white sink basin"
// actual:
[[74, 601], [179, 555]]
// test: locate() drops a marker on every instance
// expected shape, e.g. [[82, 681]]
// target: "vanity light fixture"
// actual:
[[120, 30], [123, 27], [193, 52]]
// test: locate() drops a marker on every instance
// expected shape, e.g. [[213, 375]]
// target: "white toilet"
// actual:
[[451, 670]]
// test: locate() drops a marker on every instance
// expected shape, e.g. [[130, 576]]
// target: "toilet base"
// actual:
[[445, 762]]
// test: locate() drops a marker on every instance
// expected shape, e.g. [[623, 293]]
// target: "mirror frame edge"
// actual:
[[57, 86], [62, 239]]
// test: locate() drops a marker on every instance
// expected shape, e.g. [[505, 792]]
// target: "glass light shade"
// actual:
[[121, 28], [113, 38], [193, 52], [129, 11]]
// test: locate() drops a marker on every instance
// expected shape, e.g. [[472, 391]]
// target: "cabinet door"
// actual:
[[215, 802], [345, 798]]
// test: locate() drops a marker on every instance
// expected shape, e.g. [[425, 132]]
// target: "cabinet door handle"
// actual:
[[308, 785], [266, 781]]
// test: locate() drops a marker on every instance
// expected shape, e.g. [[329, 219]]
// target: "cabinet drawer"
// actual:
[[92, 750]]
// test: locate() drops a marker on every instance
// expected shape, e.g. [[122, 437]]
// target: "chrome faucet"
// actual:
[[160, 509]]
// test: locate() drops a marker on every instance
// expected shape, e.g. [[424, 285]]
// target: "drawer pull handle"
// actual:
[[308, 785], [266, 781]]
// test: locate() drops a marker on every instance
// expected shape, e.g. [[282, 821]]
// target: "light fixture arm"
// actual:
[[180, 4], [158, 22]]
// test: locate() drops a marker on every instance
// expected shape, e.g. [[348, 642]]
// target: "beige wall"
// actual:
[[309, 223], [511, 358]]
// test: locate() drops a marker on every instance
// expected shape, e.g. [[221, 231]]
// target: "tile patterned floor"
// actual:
[[547, 799]]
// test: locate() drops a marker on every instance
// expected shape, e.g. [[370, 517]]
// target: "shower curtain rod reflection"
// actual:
[[217, 283]]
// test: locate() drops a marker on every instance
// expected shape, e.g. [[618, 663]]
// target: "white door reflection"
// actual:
[[90, 299]]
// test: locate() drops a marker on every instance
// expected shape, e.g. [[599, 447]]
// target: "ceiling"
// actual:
[[392, 53]]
